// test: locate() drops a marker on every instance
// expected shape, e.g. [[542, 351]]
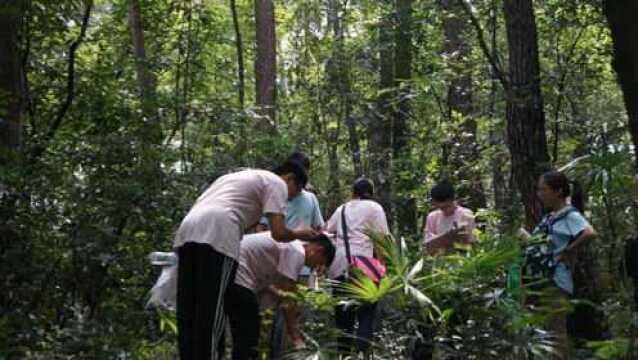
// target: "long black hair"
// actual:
[[560, 183]]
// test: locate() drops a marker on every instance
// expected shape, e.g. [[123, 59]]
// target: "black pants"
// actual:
[[202, 278], [345, 318], [242, 309]]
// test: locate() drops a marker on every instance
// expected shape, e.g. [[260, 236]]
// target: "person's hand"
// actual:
[[567, 256], [306, 234], [455, 234], [523, 234], [298, 343], [319, 270]]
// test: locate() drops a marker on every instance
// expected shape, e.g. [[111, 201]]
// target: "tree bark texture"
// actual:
[[621, 16], [145, 77], [524, 109], [380, 127], [12, 86], [265, 64], [464, 150], [240, 54], [406, 214], [342, 80]]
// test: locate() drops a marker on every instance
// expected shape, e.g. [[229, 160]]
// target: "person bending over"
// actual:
[[265, 263], [207, 246]]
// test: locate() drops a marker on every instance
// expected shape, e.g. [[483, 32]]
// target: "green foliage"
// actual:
[[79, 220]]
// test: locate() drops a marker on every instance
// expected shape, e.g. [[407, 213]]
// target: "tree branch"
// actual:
[[70, 83], [561, 88], [493, 60]]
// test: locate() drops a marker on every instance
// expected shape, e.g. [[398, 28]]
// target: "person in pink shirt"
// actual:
[[449, 223], [265, 263]]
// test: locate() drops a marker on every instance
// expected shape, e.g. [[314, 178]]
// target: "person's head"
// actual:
[[301, 159], [363, 188], [319, 251], [294, 175], [443, 197], [554, 188]]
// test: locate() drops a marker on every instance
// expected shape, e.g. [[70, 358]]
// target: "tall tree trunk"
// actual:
[[335, 99], [145, 77], [524, 110], [499, 179], [341, 77], [265, 64], [12, 86], [240, 54], [624, 33], [380, 127], [406, 214], [353, 139], [464, 150]]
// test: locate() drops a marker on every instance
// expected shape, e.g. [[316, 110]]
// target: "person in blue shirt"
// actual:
[[567, 229], [302, 211]]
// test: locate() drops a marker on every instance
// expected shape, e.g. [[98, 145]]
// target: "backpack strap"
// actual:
[[344, 230], [370, 266]]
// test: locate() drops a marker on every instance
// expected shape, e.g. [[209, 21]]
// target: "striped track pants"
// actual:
[[203, 277]]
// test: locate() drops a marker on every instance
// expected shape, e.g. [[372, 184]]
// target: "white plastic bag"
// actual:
[[164, 292]]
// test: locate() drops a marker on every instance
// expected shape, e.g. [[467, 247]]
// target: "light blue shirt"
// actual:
[[302, 211], [562, 233]]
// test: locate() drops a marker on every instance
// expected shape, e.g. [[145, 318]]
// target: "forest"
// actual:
[[115, 115]]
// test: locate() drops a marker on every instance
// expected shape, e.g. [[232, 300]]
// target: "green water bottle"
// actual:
[[514, 277]]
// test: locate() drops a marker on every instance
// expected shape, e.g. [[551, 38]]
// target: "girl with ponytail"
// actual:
[[567, 229]]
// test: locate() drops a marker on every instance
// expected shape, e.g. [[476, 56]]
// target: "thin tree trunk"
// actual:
[[344, 84], [145, 77], [406, 214], [624, 33], [12, 85], [524, 109], [265, 64], [240, 54], [464, 150], [380, 127], [353, 138], [499, 181]]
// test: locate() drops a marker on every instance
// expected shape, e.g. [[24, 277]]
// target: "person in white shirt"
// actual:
[[207, 245], [265, 263], [362, 215]]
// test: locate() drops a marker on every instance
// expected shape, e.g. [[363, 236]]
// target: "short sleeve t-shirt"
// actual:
[[361, 216], [264, 262], [302, 211], [567, 225], [233, 203], [437, 223]]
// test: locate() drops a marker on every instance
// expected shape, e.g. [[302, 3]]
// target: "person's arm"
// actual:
[[468, 227], [331, 225], [587, 234], [292, 313], [433, 242], [281, 233], [381, 222], [317, 218], [440, 241]]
